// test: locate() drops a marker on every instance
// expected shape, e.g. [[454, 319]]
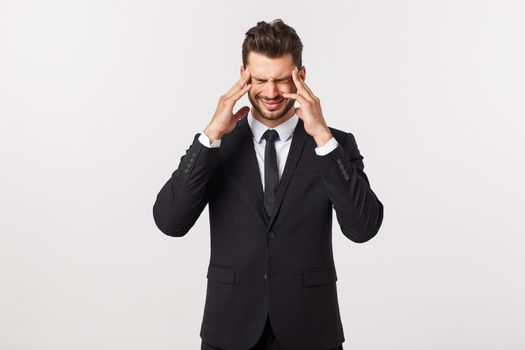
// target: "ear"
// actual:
[[302, 73], [242, 71]]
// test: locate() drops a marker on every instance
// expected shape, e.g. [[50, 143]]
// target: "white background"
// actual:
[[100, 99]]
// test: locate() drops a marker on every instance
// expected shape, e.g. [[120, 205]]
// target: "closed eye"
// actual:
[[281, 80]]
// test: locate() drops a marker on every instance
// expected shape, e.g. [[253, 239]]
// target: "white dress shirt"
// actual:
[[282, 145]]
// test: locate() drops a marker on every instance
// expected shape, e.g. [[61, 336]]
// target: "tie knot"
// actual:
[[270, 135]]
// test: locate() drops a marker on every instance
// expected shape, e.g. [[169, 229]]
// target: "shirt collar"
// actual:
[[285, 129]]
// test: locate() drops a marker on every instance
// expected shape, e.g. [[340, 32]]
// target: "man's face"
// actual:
[[270, 78]]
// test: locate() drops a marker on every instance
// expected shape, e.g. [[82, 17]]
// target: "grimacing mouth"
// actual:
[[274, 101]]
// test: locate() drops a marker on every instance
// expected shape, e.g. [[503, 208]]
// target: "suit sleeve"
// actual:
[[183, 197], [205, 140], [358, 210], [327, 147]]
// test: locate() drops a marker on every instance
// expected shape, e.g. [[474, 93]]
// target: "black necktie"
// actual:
[[271, 173]]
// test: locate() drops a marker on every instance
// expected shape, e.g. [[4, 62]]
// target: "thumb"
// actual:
[[243, 112], [299, 112]]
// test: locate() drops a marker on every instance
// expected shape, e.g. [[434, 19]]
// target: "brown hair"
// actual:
[[273, 40]]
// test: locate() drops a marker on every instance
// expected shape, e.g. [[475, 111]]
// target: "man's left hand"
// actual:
[[310, 111]]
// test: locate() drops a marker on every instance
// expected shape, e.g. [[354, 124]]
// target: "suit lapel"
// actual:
[[296, 149], [250, 158]]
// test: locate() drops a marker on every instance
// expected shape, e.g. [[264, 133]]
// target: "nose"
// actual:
[[271, 90]]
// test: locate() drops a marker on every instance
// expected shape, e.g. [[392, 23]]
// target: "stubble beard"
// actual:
[[274, 115]]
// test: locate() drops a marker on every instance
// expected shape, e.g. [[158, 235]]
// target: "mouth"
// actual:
[[272, 104]]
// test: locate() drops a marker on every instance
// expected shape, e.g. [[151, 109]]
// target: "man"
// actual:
[[271, 176]]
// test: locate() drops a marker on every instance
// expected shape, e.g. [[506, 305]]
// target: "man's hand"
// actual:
[[224, 121], [310, 111]]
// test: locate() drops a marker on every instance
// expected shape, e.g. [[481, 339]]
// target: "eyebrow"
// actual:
[[280, 79]]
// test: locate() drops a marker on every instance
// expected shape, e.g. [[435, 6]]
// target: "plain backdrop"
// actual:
[[100, 99]]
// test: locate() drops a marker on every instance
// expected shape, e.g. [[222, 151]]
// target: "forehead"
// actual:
[[264, 67]]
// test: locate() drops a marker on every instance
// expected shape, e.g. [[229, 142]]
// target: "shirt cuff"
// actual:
[[205, 140], [327, 147]]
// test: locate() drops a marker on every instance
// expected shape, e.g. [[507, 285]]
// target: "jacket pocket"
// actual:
[[320, 277], [221, 274]]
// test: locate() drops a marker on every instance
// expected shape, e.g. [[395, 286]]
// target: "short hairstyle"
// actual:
[[273, 40]]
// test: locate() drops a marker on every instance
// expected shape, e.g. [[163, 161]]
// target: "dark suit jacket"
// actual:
[[283, 266]]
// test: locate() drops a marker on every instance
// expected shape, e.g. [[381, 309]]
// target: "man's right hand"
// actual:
[[224, 121]]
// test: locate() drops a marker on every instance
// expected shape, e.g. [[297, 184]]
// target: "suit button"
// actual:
[[265, 275], [194, 154], [271, 235], [347, 177], [338, 160], [343, 171], [341, 166]]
